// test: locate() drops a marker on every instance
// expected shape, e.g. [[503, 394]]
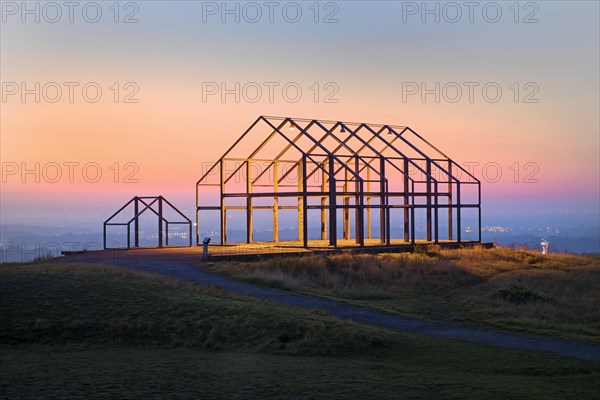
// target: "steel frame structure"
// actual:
[[361, 167], [148, 203]]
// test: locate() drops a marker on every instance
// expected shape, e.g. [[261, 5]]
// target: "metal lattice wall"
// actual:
[[363, 172]]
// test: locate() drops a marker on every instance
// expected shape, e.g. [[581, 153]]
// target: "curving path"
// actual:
[[183, 263]]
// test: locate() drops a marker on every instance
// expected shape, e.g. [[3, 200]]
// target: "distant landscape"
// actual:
[[19, 242]]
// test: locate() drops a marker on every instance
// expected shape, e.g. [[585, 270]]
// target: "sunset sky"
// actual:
[[365, 56]]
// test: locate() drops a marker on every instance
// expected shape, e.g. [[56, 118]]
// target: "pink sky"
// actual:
[[370, 57]]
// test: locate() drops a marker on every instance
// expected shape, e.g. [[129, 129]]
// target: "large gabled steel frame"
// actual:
[[340, 168]]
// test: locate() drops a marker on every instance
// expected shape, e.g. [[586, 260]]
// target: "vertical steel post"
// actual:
[[436, 209], [222, 202], [458, 214], [332, 204], [275, 202], [388, 234], [304, 203], [359, 216], [450, 230], [360, 207], [323, 202], [160, 221], [479, 209], [369, 232], [406, 200], [197, 227], [249, 236], [412, 214], [197, 218], [136, 223], [428, 202], [384, 220], [301, 189], [346, 202]]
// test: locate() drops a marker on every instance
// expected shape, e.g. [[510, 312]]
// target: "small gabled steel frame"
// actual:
[[141, 204]]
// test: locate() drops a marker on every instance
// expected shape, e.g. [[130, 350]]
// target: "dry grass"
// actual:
[[553, 294]]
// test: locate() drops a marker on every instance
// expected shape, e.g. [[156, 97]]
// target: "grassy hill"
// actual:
[[61, 304], [516, 290], [86, 331]]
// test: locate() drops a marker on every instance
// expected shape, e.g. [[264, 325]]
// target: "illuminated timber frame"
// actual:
[[345, 168]]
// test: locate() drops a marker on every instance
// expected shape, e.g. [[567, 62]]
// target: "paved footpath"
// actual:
[[183, 264]]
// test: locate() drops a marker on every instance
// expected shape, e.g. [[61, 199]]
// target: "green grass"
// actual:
[[516, 290], [62, 304], [452, 371], [82, 331]]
